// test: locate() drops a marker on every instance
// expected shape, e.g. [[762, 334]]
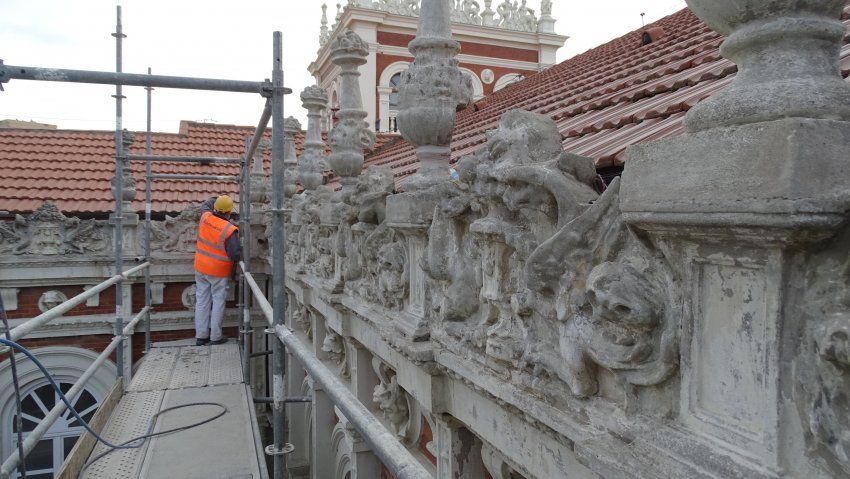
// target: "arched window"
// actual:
[[506, 80], [48, 455], [394, 81], [66, 364]]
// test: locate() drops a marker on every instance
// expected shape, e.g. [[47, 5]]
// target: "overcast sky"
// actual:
[[209, 38]]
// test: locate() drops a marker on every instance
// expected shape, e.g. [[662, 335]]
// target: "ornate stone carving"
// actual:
[[429, 94], [334, 345], [400, 409], [618, 307], [351, 135], [291, 127], [467, 11], [822, 373], [497, 465], [188, 297], [311, 164], [48, 232], [50, 299], [177, 234]]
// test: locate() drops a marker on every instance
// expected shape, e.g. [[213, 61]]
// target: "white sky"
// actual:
[[209, 38]]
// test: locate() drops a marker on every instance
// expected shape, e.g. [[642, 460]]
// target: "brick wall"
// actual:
[[28, 302]]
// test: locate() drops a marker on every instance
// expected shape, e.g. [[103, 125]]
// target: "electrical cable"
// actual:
[[19, 422], [127, 444]]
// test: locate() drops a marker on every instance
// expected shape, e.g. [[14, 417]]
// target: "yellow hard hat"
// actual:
[[223, 204]]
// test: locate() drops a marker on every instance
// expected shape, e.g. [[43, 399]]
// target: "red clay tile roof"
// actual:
[[603, 100], [73, 168], [610, 97]]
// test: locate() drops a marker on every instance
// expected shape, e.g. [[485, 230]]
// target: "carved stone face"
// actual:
[[618, 294], [51, 299], [188, 297]]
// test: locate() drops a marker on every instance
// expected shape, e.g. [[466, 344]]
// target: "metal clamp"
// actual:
[[271, 451]]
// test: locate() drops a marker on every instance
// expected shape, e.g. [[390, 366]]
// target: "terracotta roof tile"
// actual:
[[615, 95], [610, 97], [73, 168]]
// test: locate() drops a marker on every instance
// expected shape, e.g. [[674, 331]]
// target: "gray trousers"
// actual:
[[210, 294]]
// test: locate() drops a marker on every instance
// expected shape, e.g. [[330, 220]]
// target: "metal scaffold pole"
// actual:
[[278, 265], [245, 212], [148, 140], [118, 190]]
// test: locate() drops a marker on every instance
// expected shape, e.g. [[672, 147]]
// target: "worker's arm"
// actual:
[[208, 205], [233, 247]]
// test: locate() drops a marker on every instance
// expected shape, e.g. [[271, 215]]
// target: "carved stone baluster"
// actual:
[[291, 127], [761, 175], [429, 94], [351, 135]]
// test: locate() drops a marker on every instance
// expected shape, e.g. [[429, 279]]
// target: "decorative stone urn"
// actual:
[[311, 164], [351, 135], [786, 52], [430, 92]]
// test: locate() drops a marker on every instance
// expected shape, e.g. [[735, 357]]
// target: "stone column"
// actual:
[[363, 382], [322, 462], [384, 107], [298, 462], [458, 450], [758, 178]]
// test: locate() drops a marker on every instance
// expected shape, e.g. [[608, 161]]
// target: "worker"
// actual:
[[217, 252]]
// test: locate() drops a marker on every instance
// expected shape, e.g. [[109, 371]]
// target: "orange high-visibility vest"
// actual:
[[211, 256]]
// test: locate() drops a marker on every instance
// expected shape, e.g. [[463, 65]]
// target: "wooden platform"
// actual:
[[179, 373]]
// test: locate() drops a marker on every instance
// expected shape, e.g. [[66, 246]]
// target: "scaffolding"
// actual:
[[400, 462]]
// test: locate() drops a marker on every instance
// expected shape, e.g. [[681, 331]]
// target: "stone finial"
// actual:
[[323, 31], [430, 92], [546, 24], [338, 14], [311, 165], [787, 53], [291, 127], [351, 135]]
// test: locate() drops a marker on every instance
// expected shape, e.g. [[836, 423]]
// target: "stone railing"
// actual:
[[508, 15], [692, 324]]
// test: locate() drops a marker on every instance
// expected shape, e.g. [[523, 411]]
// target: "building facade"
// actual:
[[498, 47]]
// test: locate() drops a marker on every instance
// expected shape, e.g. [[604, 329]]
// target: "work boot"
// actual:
[[201, 341], [221, 340]]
